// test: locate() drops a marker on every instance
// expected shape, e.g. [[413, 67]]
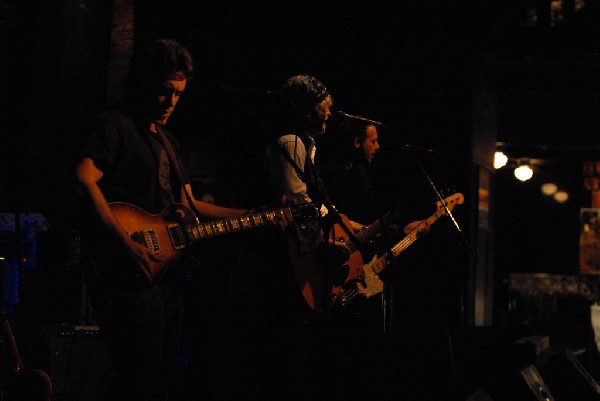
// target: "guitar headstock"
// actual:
[[305, 211], [451, 201]]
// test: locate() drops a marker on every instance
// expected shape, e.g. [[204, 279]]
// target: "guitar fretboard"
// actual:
[[369, 233], [225, 226], [414, 235]]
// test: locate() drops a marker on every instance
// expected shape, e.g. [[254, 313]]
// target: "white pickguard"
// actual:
[[371, 283]]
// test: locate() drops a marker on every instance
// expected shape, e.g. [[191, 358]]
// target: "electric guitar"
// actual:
[[310, 275], [368, 282], [353, 268], [169, 235], [18, 383]]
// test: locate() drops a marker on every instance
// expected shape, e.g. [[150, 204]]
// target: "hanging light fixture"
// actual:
[[561, 196], [500, 160], [549, 188], [523, 172]]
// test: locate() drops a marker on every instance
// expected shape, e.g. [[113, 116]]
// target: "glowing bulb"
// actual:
[[561, 196], [500, 160], [549, 188], [523, 172]]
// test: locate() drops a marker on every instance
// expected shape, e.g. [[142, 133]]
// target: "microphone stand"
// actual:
[[411, 149], [448, 212], [387, 295], [466, 243]]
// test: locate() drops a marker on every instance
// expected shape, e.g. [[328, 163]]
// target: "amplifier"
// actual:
[[79, 364]]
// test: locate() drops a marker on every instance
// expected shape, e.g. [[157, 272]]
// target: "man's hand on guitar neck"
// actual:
[[413, 225], [356, 226], [281, 219], [338, 252]]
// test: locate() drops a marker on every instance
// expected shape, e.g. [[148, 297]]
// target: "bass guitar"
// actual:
[[353, 268], [318, 289], [170, 234], [368, 282]]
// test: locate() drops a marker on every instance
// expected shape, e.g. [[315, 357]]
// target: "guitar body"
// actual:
[[309, 273], [29, 385], [367, 285], [18, 383], [353, 267], [156, 232]]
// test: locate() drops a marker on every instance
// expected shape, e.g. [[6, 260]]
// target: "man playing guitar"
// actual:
[[349, 148], [128, 156]]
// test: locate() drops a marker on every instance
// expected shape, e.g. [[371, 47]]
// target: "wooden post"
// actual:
[[121, 46], [589, 240], [591, 180]]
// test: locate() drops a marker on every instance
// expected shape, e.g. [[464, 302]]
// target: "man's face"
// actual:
[[322, 112], [370, 144], [167, 96]]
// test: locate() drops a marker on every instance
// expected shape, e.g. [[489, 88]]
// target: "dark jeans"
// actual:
[[142, 333]]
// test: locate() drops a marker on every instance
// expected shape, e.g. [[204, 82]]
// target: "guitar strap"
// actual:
[[175, 163], [316, 187]]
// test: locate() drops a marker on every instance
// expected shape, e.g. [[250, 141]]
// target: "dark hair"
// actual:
[[163, 59], [351, 129], [304, 91], [359, 130], [339, 141]]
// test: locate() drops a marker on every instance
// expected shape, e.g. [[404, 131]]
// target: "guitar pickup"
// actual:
[[176, 234]]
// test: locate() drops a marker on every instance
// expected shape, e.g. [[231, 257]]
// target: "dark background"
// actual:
[[410, 66]]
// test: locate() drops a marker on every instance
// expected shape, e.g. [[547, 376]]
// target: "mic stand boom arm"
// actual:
[[448, 212]]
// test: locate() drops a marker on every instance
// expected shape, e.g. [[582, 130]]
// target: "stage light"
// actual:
[[549, 188], [500, 160], [561, 196], [523, 172]]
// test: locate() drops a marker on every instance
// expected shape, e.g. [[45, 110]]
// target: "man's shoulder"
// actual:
[[114, 116], [290, 142], [287, 138], [112, 121]]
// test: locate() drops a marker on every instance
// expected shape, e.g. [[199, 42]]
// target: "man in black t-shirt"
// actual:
[[128, 156], [358, 327]]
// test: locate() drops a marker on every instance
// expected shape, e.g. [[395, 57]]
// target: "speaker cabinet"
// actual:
[[79, 364], [569, 379], [525, 384], [562, 378], [536, 384], [479, 395]]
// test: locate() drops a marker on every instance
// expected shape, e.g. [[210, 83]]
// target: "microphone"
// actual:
[[358, 118], [413, 148]]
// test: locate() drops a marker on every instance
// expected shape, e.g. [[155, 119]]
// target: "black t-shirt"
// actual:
[[133, 160], [350, 191], [136, 170]]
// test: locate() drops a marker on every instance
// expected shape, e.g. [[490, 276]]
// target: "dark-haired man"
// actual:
[[125, 157]]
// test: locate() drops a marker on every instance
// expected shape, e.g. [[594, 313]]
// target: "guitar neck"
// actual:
[[449, 203], [406, 241], [219, 227], [369, 233]]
